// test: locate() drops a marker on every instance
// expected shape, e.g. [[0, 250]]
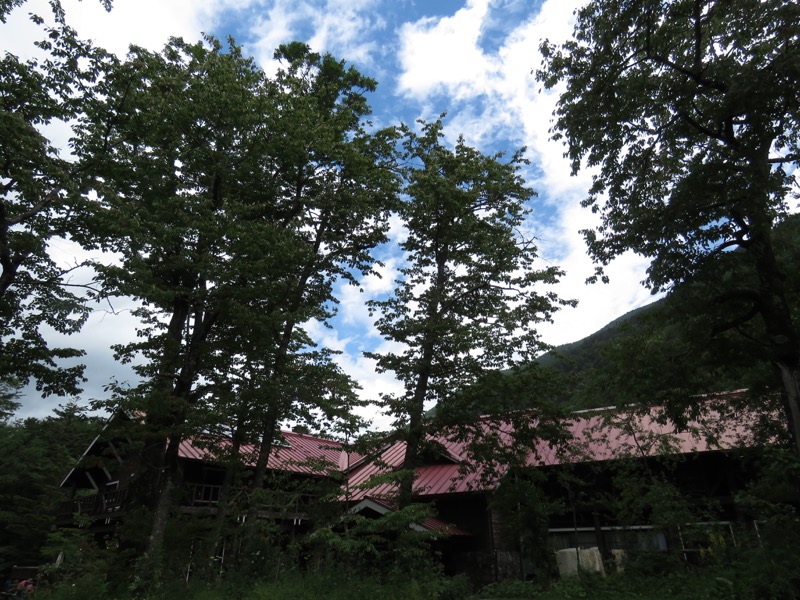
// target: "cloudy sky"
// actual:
[[471, 59]]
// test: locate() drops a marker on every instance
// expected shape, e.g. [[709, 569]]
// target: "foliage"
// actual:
[[332, 584], [689, 111], [527, 510], [677, 349], [87, 565], [644, 495], [389, 546], [707, 583], [669, 352], [35, 454], [6, 6], [9, 393], [511, 589], [465, 302], [38, 204], [694, 98], [234, 202]]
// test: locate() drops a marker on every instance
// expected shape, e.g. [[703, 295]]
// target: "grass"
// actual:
[[715, 583]]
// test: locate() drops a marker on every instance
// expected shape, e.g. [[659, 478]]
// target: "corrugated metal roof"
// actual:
[[301, 453], [612, 435], [431, 524], [593, 437], [431, 480]]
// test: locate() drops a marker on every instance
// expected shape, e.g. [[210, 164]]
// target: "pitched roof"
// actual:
[[430, 524], [593, 436], [431, 480], [300, 453], [611, 434]]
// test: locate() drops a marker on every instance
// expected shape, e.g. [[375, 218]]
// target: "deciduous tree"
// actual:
[[38, 205], [234, 203], [465, 302], [688, 112]]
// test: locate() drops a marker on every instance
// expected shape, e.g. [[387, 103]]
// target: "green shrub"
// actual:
[[452, 588], [510, 589], [90, 586]]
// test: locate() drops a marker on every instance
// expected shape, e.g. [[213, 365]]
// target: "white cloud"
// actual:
[[562, 242], [443, 55], [147, 23], [599, 303], [362, 369], [343, 27], [497, 97], [270, 30]]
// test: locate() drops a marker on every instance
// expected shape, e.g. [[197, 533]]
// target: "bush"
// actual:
[[86, 587], [510, 589], [453, 588], [339, 587]]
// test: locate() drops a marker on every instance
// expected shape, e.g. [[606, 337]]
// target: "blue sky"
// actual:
[[472, 59]]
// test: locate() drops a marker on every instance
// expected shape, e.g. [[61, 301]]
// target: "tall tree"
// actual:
[[465, 303], [234, 203], [336, 188], [37, 205], [175, 145], [689, 111]]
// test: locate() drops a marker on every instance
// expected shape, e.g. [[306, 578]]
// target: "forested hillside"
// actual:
[[680, 345]]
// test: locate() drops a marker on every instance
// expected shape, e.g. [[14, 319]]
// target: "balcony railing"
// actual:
[[109, 505], [277, 504], [105, 504]]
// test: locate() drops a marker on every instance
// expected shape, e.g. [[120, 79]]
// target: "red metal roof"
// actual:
[[593, 436], [431, 524], [609, 435], [301, 453], [431, 480]]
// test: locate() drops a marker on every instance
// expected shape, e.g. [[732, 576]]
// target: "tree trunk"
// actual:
[[416, 430], [789, 376], [773, 299], [225, 493], [269, 427], [416, 407], [179, 372], [150, 566]]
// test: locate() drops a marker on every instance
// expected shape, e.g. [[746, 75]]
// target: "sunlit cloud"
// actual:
[[442, 56], [341, 27]]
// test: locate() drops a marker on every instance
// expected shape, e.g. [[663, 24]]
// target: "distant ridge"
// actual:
[[584, 354]]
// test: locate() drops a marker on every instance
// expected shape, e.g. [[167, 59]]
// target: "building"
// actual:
[[304, 466], [704, 463]]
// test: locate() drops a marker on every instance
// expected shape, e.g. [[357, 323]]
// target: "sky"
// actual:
[[473, 60]]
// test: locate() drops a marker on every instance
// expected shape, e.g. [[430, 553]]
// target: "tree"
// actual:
[[234, 203], [35, 454], [37, 205], [172, 143], [335, 188], [688, 109], [465, 304], [680, 347], [9, 394], [6, 6]]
